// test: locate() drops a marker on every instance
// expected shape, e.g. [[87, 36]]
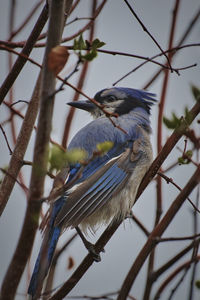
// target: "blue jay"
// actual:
[[108, 183]]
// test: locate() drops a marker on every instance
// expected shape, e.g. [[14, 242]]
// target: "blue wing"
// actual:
[[100, 180], [103, 176]]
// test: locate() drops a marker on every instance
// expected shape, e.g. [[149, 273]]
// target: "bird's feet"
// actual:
[[91, 249], [89, 246]]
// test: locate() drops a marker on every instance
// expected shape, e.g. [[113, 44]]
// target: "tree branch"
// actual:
[[20, 62], [157, 232], [30, 225]]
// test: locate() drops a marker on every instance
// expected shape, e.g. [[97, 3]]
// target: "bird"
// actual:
[[103, 189]]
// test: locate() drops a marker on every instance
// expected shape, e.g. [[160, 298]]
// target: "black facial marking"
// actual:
[[129, 99], [130, 104]]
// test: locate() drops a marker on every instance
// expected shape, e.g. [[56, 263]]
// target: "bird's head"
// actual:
[[118, 100]]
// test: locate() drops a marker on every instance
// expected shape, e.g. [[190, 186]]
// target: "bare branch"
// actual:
[[6, 139], [157, 232], [147, 31], [170, 180], [172, 261], [27, 19], [80, 84], [181, 41], [173, 274], [20, 62]]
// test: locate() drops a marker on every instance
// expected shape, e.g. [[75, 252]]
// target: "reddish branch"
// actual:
[[11, 91], [147, 31], [27, 19], [183, 38], [23, 139], [20, 62], [140, 225], [83, 29], [166, 78], [149, 282], [157, 232], [170, 180], [156, 274], [80, 84], [159, 147], [174, 274], [151, 59]]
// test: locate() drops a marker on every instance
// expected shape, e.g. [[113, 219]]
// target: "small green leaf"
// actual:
[[79, 44], [89, 56], [181, 161], [188, 115], [75, 46], [189, 153], [195, 92], [173, 122], [185, 159], [104, 147], [97, 44]]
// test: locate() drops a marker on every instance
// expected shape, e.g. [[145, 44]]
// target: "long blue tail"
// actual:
[[46, 253], [44, 260]]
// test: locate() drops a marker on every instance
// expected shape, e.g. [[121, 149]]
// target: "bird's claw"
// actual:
[[95, 255]]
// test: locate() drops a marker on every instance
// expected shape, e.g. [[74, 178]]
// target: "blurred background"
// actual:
[[120, 31]]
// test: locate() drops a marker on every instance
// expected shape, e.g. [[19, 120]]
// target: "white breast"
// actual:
[[120, 205]]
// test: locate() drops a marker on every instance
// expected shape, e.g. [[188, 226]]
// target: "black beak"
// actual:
[[85, 105]]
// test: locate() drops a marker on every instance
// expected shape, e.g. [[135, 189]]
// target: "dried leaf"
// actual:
[[71, 263], [57, 59]]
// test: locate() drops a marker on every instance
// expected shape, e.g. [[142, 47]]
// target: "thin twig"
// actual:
[[14, 179], [9, 47], [80, 19], [20, 62], [83, 29], [26, 20], [9, 148], [157, 273], [147, 31], [172, 275], [181, 41], [81, 81], [157, 232], [140, 225], [159, 143], [19, 101], [170, 180], [174, 239], [61, 87]]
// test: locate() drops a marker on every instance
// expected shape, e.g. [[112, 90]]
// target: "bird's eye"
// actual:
[[111, 98]]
